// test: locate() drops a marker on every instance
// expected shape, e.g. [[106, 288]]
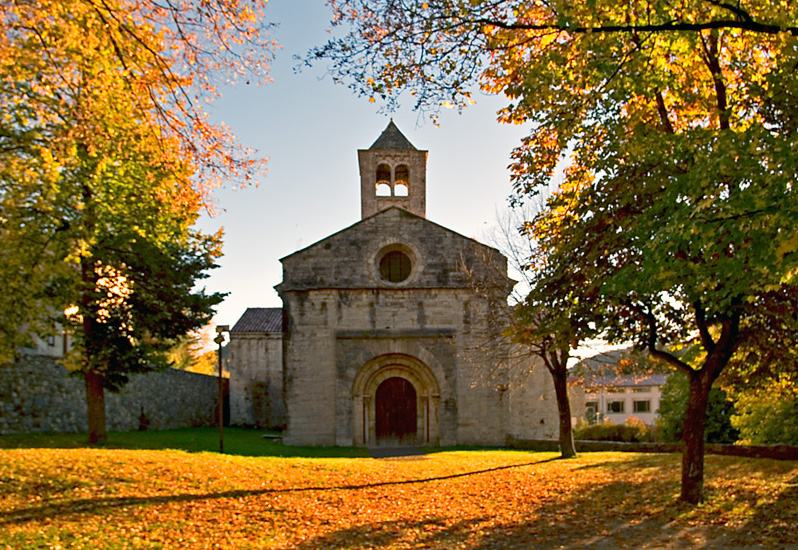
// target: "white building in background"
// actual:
[[616, 398]]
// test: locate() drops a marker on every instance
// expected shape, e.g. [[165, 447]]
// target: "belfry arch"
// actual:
[[382, 372]]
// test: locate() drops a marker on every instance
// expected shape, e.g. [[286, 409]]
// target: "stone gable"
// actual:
[[349, 259]]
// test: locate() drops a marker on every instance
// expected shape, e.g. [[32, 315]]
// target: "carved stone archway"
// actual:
[[364, 391]]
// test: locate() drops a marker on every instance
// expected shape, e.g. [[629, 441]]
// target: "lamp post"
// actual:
[[220, 330]]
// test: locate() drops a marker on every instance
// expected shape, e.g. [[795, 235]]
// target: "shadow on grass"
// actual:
[[634, 511], [95, 505], [620, 514]]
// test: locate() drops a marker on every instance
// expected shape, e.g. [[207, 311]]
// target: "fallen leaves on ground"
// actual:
[[95, 498]]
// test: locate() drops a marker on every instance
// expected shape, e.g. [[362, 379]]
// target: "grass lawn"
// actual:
[[56, 493], [237, 441]]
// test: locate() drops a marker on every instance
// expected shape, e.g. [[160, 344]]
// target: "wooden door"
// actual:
[[396, 411]]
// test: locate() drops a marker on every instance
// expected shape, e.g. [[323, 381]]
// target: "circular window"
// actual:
[[395, 266]]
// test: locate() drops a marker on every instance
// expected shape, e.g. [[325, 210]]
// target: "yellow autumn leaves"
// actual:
[[85, 498]]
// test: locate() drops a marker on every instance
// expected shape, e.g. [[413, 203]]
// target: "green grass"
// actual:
[[237, 441]]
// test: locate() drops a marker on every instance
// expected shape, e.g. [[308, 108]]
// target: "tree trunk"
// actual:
[[564, 408], [95, 406], [695, 420]]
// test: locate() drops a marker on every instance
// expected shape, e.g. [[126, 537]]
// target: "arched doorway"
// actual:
[[395, 400], [396, 411]]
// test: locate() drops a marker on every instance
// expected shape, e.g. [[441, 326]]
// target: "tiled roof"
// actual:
[[260, 319], [626, 381], [601, 370], [392, 139]]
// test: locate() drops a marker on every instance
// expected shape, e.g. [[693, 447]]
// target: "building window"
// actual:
[[401, 181], [51, 341], [616, 390], [642, 406], [591, 412], [395, 266], [615, 406], [641, 389]]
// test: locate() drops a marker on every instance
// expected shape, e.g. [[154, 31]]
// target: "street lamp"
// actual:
[[220, 330]]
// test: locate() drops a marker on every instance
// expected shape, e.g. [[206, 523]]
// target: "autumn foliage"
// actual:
[[669, 130], [89, 498], [106, 160]]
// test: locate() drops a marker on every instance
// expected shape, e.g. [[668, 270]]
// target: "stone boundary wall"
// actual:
[[37, 394], [777, 452]]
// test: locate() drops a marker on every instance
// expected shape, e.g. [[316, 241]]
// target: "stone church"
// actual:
[[388, 332]]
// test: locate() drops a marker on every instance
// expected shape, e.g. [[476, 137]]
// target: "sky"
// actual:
[[310, 129]]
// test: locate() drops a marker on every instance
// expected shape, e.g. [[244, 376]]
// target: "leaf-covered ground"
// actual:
[[104, 498]]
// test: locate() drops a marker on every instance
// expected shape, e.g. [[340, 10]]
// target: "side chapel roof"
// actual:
[[601, 370], [628, 380], [260, 319], [392, 139]]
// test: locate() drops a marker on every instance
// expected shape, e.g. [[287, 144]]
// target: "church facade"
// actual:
[[388, 332]]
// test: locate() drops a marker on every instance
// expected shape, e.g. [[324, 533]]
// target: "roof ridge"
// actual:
[[392, 139]]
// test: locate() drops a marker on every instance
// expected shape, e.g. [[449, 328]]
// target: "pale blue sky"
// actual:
[[311, 129]]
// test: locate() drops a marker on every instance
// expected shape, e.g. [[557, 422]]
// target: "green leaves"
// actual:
[[673, 128]]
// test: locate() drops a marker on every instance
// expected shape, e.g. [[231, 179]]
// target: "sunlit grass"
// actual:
[[79, 497], [237, 441]]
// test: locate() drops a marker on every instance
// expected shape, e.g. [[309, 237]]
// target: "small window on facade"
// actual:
[[641, 389], [400, 189], [615, 406], [642, 406], [51, 340], [383, 190], [591, 412], [395, 267], [616, 390]]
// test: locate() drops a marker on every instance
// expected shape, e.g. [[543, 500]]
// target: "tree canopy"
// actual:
[[675, 123], [110, 91], [106, 159]]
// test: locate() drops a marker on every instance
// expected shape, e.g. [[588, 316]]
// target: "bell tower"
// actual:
[[392, 173]]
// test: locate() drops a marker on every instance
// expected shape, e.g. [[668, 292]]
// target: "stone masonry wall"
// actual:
[[39, 395], [256, 380], [328, 327]]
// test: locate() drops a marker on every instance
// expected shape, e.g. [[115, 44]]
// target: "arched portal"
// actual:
[[395, 404], [395, 400]]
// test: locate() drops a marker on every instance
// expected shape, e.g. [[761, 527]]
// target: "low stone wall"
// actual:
[[39, 395], [778, 452]]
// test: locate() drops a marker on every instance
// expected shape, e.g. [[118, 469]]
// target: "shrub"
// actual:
[[634, 431], [767, 416]]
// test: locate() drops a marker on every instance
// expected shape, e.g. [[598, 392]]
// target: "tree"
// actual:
[[537, 332], [135, 298], [677, 123], [191, 353], [549, 336], [105, 161], [673, 406]]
